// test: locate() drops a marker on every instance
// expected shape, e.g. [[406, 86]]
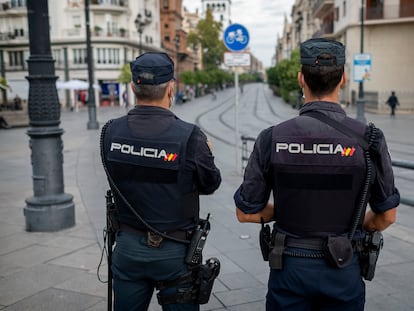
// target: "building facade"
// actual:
[[174, 37], [120, 31], [387, 37], [221, 10]]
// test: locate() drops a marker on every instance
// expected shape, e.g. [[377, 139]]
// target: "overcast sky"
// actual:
[[262, 18]]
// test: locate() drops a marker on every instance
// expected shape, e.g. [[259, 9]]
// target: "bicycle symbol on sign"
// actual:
[[236, 36]]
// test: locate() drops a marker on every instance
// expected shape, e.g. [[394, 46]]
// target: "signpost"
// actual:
[[236, 38], [362, 67], [236, 59]]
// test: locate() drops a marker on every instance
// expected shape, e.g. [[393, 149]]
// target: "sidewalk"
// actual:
[[57, 271]]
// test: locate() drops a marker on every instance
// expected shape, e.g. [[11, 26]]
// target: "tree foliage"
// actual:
[[284, 75], [125, 75], [4, 88], [208, 36]]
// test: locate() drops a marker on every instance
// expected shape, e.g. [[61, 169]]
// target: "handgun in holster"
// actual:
[[265, 240], [371, 247]]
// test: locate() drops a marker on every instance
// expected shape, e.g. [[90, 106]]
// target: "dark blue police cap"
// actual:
[[152, 68], [311, 49]]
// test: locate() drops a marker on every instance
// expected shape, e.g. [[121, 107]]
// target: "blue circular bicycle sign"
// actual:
[[236, 37]]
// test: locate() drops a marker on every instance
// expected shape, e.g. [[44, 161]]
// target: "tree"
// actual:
[[188, 77], [4, 86], [208, 36], [283, 77], [125, 75]]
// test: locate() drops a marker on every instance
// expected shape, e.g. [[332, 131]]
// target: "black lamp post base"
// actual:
[[92, 125], [49, 214], [360, 110]]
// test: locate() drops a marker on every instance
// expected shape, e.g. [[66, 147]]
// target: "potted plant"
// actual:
[[98, 30], [122, 31]]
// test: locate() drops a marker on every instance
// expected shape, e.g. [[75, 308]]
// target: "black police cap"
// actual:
[[152, 68], [311, 49]]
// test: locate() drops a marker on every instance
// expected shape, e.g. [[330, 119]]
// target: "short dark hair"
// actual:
[[150, 92], [322, 80]]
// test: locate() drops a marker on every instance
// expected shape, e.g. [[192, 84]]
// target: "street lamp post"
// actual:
[[140, 22], [92, 123], [361, 101], [195, 48], [177, 53], [49, 209]]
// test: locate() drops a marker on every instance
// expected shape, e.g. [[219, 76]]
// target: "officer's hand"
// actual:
[[266, 214], [209, 144]]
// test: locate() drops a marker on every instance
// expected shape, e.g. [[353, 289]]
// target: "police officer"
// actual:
[[161, 165], [317, 176]]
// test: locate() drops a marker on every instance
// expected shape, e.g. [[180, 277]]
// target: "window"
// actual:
[[79, 56], [344, 8], [166, 4], [18, 3], [16, 59], [108, 56], [57, 56], [374, 9], [76, 21]]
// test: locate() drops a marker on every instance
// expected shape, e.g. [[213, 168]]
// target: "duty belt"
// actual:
[[178, 234], [316, 244]]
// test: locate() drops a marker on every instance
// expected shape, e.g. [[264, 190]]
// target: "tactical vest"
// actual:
[[317, 177], [150, 174]]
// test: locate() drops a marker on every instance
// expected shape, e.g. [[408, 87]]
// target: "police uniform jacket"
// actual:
[[160, 164], [316, 174]]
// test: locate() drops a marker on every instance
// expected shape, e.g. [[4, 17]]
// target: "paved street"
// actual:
[[58, 271]]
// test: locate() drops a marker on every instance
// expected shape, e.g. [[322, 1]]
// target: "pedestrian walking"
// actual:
[[160, 165], [392, 101], [323, 168]]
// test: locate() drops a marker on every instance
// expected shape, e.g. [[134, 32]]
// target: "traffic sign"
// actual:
[[236, 59], [362, 67], [236, 37]]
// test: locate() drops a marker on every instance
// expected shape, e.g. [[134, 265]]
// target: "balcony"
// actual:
[[78, 32], [322, 8], [13, 37], [115, 6], [384, 12], [7, 9]]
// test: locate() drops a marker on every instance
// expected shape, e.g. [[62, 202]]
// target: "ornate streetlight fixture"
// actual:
[[140, 22], [361, 100], [195, 49], [50, 208], [92, 123]]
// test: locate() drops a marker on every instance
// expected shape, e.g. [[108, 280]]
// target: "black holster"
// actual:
[[369, 252], [265, 241], [197, 285]]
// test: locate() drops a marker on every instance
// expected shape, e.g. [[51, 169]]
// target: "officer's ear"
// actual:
[[171, 89], [132, 87], [344, 79], [301, 80]]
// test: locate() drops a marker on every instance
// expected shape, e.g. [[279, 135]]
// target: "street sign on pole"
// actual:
[[362, 67], [236, 37], [236, 59]]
